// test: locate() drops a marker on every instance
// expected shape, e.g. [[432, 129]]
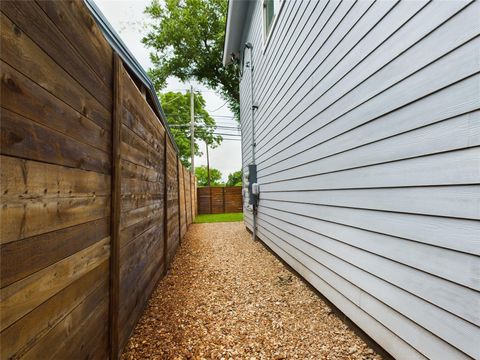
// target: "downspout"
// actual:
[[249, 46]]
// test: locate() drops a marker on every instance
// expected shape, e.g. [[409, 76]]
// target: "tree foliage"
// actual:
[[186, 38], [202, 176], [176, 107], [235, 179]]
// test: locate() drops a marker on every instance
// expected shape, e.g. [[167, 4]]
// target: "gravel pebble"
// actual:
[[227, 297]]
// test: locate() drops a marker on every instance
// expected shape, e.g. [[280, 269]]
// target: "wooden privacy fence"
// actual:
[[94, 198], [218, 199]]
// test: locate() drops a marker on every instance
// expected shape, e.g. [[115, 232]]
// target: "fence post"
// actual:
[[115, 210], [223, 199]]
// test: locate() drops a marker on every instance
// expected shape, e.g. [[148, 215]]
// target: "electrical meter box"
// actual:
[[252, 179]]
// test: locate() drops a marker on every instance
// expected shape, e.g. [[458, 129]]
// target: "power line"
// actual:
[[205, 127], [199, 116], [175, 98], [225, 103], [225, 134]]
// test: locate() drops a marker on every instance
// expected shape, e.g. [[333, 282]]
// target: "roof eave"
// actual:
[[237, 13]]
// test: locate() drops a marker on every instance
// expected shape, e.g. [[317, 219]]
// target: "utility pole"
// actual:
[[192, 129], [208, 164], [208, 177]]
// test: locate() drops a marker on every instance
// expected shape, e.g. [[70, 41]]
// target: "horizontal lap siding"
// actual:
[[368, 157], [55, 180]]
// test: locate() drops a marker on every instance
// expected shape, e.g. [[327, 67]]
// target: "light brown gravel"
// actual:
[[227, 297]]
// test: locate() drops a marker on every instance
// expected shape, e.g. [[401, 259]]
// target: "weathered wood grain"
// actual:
[[24, 295], [23, 138], [137, 302], [140, 187], [130, 233], [32, 217], [21, 258], [82, 341], [20, 52], [75, 22], [24, 97], [31, 180], [139, 200], [33, 21], [31, 328], [188, 197], [181, 200], [134, 171], [129, 218], [136, 257], [115, 209], [91, 312], [142, 127]]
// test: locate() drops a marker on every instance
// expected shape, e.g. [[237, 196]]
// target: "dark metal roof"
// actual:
[[129, 60]]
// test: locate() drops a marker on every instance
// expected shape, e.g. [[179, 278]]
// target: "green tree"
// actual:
[[186, 41], [176, 107], [235, 178], [202, 176]]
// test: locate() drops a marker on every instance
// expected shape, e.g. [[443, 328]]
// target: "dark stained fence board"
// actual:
[[181, 192], [141, 243], [172, 202], [217, 200], [55, 179], [30, 17], [87, 185], [188, 198]]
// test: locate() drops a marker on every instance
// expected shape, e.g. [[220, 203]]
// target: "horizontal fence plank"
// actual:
[[74, 20], [24, 97], [31, 217], [20, 52], [27, 139], [24, 257], [31, 180], [31, 19], [24, 295], [83, 315], [30, 329]]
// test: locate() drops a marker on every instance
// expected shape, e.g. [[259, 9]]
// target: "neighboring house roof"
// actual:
[[237, 14], [129, 60]]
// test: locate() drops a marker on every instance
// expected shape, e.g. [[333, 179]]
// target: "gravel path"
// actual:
[[227, 297]]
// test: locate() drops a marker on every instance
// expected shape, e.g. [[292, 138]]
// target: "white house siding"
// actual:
[[368, 134]]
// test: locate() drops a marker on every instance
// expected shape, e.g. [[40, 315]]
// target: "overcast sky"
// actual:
[[128, 19]]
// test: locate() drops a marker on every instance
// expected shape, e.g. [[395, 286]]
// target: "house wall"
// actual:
[[86, 167], [368, 134]]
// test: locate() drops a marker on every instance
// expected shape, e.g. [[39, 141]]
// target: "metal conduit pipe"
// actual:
[[249, 46]]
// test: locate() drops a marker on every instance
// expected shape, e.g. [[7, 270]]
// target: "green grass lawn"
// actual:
[[211, 218]]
